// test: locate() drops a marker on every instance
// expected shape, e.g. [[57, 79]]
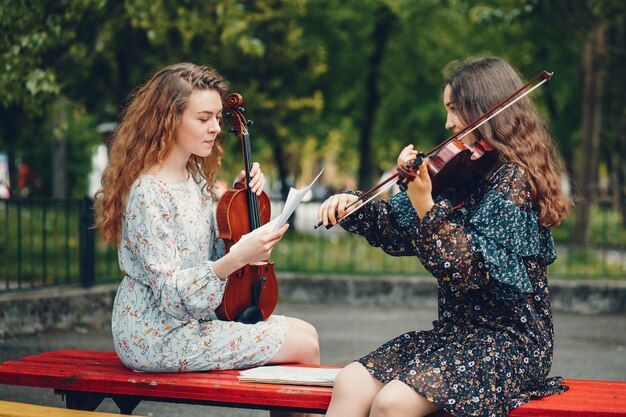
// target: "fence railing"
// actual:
[[46, 242], [52, 242]]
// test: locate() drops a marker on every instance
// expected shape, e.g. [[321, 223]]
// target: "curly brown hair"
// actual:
[[518, 134], [145, 135]]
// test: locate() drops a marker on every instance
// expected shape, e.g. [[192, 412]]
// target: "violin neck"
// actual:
[[253, 201]]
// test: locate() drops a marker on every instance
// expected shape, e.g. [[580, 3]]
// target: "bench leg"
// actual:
[[82, 400], [126, 404]]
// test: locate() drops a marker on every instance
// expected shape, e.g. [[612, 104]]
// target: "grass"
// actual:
[[606, 228], [300, 252]]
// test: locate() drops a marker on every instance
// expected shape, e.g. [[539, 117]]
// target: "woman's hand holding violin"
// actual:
[[408, 154], [420, 189], [334, 208], [257, 178]]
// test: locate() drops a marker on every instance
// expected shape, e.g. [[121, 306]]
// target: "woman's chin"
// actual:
[[204, 152]]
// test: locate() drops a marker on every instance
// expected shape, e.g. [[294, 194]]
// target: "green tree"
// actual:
[[588, 25], [46, 45], [107, 48], [584, 51]]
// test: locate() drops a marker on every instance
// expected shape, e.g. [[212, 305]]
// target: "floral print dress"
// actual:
[[491, 347], [163, 315]]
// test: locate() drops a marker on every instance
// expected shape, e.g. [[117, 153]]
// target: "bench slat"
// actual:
[[14, 409], [110, 368], [103, 373], [81, 354], [68, 360], [584, 398]]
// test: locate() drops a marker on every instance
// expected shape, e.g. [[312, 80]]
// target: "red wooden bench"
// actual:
[[86, 378]]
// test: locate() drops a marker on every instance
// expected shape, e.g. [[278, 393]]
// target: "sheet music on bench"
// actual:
[[290, 375]]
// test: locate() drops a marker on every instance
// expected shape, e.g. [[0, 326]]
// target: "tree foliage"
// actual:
[[336, 84]]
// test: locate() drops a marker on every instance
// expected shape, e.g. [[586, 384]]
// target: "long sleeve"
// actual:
[[164, 256], [446, 249], [390, 225]]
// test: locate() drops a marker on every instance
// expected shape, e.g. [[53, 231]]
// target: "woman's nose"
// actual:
[[214, 126], [449, 123]]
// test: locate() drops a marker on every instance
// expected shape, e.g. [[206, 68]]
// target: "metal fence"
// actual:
[[52, 242], [46, 242]]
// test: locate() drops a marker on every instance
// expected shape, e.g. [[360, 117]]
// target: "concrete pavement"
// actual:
[[586, 347]]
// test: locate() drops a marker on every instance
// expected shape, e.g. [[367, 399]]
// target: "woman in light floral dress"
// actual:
[[488, 246], [156, 204]]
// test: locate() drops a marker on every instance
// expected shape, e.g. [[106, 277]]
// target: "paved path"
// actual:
[[587, 347]]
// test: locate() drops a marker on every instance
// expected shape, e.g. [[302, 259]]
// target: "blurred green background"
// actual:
[[340, 85]]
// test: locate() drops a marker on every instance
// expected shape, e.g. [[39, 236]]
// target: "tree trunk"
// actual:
[[279, 158], [594, 68], [380, 35], [621, 166], [59, 180]]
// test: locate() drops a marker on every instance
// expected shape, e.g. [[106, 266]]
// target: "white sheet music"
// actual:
[[291, 375], [294, 198]]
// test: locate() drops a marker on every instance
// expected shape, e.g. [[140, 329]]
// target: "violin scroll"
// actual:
[[234, 114], [234, 100]]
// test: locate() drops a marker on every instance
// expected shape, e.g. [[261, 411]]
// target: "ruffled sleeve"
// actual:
[[390, 225], [505, 233]]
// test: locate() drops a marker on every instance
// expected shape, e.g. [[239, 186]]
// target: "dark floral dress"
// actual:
[[491, 348]]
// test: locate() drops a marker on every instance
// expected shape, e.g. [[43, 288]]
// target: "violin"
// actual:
[[251, 292], [453, 163], [452, 166]]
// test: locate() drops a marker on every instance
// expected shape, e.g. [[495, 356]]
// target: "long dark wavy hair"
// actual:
[[518, 134], [145, 135]]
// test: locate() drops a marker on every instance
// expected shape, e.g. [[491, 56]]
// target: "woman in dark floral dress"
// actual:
[[491, 348]]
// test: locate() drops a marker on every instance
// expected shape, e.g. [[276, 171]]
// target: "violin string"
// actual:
[[253, 201]]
